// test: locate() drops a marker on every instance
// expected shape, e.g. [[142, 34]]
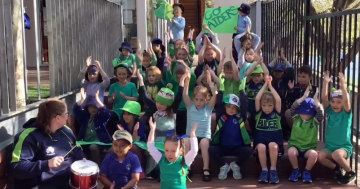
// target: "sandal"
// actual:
[[206, 178]]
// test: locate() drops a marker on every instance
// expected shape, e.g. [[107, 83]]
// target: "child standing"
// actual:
[[200, 111], [119, 93], [338, 143], [268, 139], [177, 23], [95, 79], [307, 114], [173, 163], [93, 117], [231, 136], [122, 168]]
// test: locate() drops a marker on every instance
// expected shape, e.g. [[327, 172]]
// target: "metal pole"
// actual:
[[37, 25], [24, 50]]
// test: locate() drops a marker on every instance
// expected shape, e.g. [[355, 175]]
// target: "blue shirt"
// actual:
[[201, 116], [251, 90], [120, 172], [243, 22], [201, 67], [177, 27], [231, 134], [141, 130], [268, 128]]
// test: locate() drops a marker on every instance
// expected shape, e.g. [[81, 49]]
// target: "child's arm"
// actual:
[[297, 103], [345, 94], [250, 70], [319, 109], [155, 154], [84, 69], [198, 40], [104, 171], [194, 147], [214, 47], [222, 62], [134, 94], [213, 90], [135, 134], [135, 173], [181, 24], [241, 59], [199, 79], [235, 69], [243, 100], [275, 94], [186, 97], [152, 54], [179, 95], [105, 77], [143, 93], [237, 42], [282, 56], [325, 89], [272, 63], [201, 53], [98, 101], [111, 95], [214, 78], [259, 95]]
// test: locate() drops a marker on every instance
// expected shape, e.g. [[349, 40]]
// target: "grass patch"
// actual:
[[33, 92]]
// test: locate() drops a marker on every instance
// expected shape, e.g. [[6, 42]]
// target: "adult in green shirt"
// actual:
[[171, 79], [338, 138], [126, 57]]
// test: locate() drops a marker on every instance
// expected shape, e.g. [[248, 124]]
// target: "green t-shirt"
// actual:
[[129, 90], [338, 131], [304, 134], [230, 86], [172, 176], [90, 135], [129, 60]]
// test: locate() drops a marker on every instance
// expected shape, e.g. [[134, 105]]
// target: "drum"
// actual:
[[84, 174]]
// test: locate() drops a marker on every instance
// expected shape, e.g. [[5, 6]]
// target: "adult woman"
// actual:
[[39, 158]]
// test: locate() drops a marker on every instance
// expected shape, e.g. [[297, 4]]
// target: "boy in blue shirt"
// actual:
[[244, 19], [177, 23], [121, 169]]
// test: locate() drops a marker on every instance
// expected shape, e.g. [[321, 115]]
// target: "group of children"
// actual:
[[219, 107]]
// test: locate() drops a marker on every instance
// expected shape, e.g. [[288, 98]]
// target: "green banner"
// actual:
[[163, 10], [83, 143], [142, 145], [222, 19]]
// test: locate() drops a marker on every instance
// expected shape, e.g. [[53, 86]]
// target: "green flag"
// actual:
[[222, 19], [163, 10]]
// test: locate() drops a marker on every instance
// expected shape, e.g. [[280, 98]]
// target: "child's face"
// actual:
[[181, 54], [303, 79], [160, 107], [177, 11], [247, 43], [151, 77], [231, 109], [179, 44], [156, 47], [200, 100], [121, 147], [278, 74], [305, 117], [93, 76], [228, 73], [172, 151], [267, 107], [93, 110], [337, 104], [128, 117], [121, 74], [257, 77], [249, 56], [146, 61], [209, 55], [125, 52]]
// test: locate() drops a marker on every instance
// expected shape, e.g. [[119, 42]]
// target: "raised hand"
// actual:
[[139, 44], [223, 54], [136, 128], [112, 185], [97, 64], [282, 53], [139, 75], [316, 98], [342, 79], [88, 61], [208, 77], [193, 130], [291, 84], [152, 124], [327, 77], [307, 92], [206, 27], [248, 28], [82, 94], [121, 128]]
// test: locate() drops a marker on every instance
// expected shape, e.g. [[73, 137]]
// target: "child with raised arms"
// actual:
[[268, 138], [173, 163], [308, 114], [338, 138]]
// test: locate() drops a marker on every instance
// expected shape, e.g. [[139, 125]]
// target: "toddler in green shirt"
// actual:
[[307, 114], [338, 138]]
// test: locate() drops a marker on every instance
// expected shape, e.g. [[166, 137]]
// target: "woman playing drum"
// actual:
[[40, 158]]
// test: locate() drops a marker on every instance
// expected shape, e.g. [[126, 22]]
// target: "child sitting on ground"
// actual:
[[308, 114], [93, 117], [268, 139], [338, 138], [122, 168], [173, 163], [200, 111]]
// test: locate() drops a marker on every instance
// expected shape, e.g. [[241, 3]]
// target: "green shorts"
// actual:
[[349, 152]]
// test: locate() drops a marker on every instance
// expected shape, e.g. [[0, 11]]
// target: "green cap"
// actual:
[[165, 96], [258, 70], [116, 62], [132, 107], [232, 99], [124, 65]]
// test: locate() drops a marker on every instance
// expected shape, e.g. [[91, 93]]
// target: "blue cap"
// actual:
[[90, 100], [307, 107], [126, 46], [92, 68], [245, 8], [279, 67]]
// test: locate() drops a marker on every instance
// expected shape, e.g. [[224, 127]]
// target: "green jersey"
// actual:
[[172, 174], [304, 134]]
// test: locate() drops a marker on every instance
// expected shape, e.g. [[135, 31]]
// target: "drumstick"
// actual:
[[70, 151]]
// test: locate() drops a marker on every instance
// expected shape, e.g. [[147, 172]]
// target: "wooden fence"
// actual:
[[75, 30], [7, 65]]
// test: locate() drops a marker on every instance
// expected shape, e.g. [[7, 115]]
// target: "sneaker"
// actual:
[[295, 175], [339, 173], [236, 171], [224, 170], [347, 178], [306, 177], [274, 179], [264, 177]]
